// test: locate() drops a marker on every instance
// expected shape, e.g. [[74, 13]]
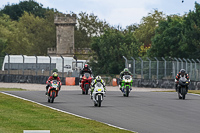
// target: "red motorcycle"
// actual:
[[53, 90], [85, 83]]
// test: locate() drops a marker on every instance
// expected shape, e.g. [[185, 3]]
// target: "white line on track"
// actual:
[[65, 111]]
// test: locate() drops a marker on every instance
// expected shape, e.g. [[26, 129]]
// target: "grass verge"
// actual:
[[12, 89], [189, 91], [17, 115]]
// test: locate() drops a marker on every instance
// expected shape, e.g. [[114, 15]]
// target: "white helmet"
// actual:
[[98, 78]]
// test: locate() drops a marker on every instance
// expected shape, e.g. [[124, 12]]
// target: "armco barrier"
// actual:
[[70, 81], [25, 79], [194, 85]]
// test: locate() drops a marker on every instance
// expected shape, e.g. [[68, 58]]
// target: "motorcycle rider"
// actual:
[[95, 81], [85, 69], [124, 72], [53, 77], [182, 73]]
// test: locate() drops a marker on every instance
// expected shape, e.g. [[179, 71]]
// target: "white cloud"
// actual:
[[122, 12], [126, 16]]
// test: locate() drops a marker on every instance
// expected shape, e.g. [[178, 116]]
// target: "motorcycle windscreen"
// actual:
[[87, 75], [127, 76], [99, 87], [183, 79], [54, 85]]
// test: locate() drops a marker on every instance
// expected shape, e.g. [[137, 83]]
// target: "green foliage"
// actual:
[[33, 36], [178, 36], [191, 40], [167, 40], [7, 29], [109, 51], [15, 11], [88, 25], [146, 30]]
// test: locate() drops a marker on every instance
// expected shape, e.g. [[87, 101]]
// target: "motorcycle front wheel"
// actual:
[[99, 100], [52, 97], [127, 91]]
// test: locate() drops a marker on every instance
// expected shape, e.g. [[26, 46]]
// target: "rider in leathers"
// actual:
[[182, 73], [86, 69], [53, 77], [95, 81], [124, 72]]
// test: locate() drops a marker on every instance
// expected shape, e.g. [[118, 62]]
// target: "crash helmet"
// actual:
[[55, 75], [86, 66], [182, 71], [55, 70], [126, 70], [98, 78]]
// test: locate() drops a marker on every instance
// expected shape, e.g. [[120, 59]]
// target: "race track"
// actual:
[[143, 112]]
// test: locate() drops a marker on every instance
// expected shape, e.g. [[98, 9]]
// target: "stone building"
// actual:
[[64, 35]]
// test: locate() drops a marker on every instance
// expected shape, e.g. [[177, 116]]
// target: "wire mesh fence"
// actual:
[[163, 69], [1, 62]]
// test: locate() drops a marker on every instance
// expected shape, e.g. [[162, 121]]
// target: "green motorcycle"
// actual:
[[126, 84]]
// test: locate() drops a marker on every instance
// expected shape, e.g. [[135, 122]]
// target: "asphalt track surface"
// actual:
[[143, 112]]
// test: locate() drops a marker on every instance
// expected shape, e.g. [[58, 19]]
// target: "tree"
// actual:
[[15, 11], [33, 36], [146, 30], [7, 28], [109, 50], [167, 39], [87, 27], [191, 40]]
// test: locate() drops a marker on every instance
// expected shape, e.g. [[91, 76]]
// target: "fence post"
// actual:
[[173, 67], [195, 67], [8, 63], [157, 67], [141, 67], [49, 65], [36, 65], [190, 66], [126, 62], [199, 69], [165, 66], [177, 65], [149, 67], [181, 63], [186, 64], [62, 66], [133, 66], [23, 64]]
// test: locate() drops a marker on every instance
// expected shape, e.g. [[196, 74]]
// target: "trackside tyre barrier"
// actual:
[[70, 81], [114, 82]]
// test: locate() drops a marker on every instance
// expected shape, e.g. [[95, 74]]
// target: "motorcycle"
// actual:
[[85, 83], [98, 94], [53, 90], [182, 88], [126, 84]]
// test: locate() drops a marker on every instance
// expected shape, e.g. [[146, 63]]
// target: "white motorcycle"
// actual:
[[98, 94]]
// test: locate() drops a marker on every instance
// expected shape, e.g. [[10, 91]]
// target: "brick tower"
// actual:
[[64, 35]]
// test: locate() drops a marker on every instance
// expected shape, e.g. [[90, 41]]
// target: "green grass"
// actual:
[[17, 115], [11, 89], [194, 91]]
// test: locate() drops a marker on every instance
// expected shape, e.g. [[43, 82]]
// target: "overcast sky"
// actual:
[[116, 12]]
